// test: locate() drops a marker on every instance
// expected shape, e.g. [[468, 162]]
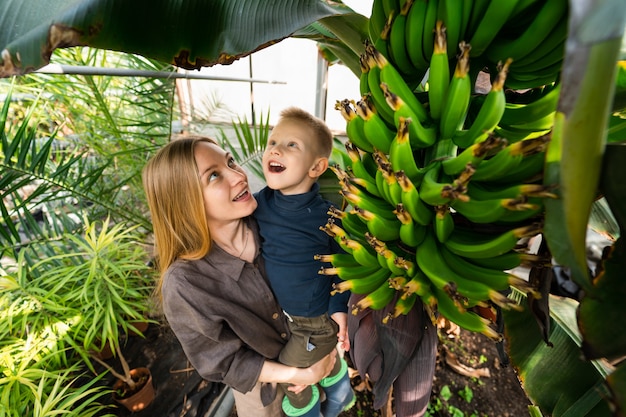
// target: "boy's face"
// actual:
[[290, 162]]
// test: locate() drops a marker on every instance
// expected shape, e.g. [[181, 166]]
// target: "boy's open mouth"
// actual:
[[276, 167]]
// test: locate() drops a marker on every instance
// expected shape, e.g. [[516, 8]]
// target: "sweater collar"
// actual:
[[296, 201]]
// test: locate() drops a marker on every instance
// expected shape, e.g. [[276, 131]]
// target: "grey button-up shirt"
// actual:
[[225, 316]]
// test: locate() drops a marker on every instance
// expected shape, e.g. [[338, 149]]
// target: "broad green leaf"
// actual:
[[545, 371], [574, 159], [189, 34]]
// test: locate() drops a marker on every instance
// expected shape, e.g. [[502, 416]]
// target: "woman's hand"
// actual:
[[300, 377]]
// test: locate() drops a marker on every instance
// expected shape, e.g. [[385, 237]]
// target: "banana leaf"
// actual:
[[574, 158], [546, 370], [189, 34]]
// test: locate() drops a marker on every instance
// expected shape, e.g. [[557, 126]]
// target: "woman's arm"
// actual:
[[279, 373]]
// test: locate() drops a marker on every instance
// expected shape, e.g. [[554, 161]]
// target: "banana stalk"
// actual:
[[574, 157]]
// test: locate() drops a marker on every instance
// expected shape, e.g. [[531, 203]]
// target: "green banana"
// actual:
[[419, 136], [552, 49], [385, 179], [411, 232], [396, 83], [414, 34], [402, 307], [390, 7], [350, 223], [374, 93], [419, 284], [338, 260], [382, 185], [475, 245], [510, 260], [374, 127], [444, 278], [550, 64], [515, 114], [462, 317], [474, 155], [400, 153], [430, 20], [444, 223], [358, 163], [487, 191], [526, 81], [383, 228], [437, 193], [529, 170], [367, 202], [397, 44], [541, 126], [366, 185], [490, 211], [536, 207], [375, 300], [360, 252], [489, 115], [439, 74], [411, 202], [386, 257], [395, 191], [456, 103], [348, 273], [493, 19], [364, 88], [333, 230], [479, 7], [505, 161], [363, 285], [466, 14], [451, 13], [354, 124], [377, 20], [494, 278], [382, 44], [534, 34]]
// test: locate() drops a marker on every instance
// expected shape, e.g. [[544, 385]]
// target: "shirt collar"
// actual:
[[232, 266], [296, 201]]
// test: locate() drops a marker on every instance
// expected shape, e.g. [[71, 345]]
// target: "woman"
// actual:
[[214, 292]]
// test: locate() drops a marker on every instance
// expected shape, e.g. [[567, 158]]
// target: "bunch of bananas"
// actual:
[[444, 182]]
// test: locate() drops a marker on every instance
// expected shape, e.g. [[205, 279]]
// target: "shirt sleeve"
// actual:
[[211, 346]]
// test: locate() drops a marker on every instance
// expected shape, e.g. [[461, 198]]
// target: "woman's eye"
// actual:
[[213, 176], [232, 163]]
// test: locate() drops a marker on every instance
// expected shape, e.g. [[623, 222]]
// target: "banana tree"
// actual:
[[579, 139]]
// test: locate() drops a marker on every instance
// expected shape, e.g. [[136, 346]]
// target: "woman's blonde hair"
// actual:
[[172, 187]]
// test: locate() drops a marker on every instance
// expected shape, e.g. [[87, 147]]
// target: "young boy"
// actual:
[[290, 212]]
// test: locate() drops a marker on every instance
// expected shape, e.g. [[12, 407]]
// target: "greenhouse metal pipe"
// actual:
[[125, 72]]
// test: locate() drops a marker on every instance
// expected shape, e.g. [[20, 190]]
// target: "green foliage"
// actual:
[[75, 266]]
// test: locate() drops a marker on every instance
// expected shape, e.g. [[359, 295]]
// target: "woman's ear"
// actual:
[[318, 168]]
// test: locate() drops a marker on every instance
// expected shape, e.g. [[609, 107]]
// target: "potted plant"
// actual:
[[104, 275]]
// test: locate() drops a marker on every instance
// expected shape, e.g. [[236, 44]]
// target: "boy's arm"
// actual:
[[342, 320]]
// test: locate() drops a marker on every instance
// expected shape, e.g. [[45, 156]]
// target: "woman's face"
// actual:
[[224, 185]]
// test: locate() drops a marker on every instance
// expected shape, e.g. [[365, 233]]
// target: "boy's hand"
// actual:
[[342, 320]]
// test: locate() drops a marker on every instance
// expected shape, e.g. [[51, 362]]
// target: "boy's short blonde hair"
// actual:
[[322, 133]]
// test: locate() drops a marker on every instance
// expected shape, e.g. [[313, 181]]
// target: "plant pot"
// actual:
[[142, 397], [142, 326], [105, 353]]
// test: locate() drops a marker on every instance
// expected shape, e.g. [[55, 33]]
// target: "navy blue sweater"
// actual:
[[291, 237]]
